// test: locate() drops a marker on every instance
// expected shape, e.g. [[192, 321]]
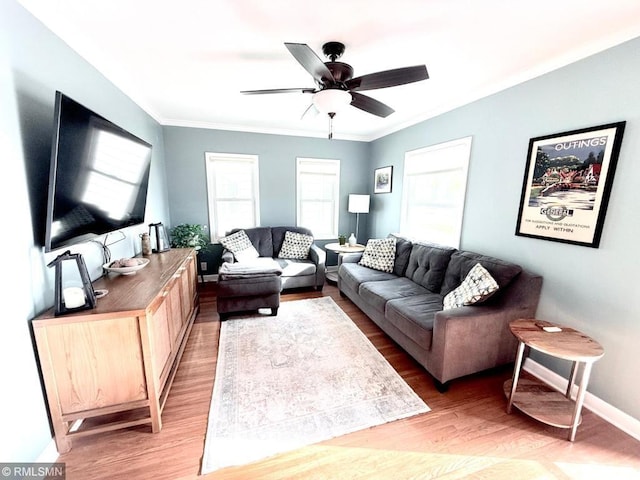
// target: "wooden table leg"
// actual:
[[584, 381], [516, 374], [572, 378]]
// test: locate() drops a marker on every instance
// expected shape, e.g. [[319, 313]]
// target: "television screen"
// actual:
[[98, 179]]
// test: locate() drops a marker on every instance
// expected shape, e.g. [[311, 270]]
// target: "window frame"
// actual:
[[442, 158], [211, 158], [335, 174]]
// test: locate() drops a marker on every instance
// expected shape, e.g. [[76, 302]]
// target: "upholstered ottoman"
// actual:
[[248, 286]]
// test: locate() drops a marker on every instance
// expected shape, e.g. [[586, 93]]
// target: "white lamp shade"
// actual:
[[358, 203], [331, 100]]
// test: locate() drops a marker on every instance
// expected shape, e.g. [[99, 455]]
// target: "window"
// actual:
[[318, 187], [233, 193], [433, 191]]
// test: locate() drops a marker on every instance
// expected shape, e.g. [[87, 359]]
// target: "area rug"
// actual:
[[302, 377]]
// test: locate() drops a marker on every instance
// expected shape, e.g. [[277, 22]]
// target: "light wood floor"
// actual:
[[466, 435]]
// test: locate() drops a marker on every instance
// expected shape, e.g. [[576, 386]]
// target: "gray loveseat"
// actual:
[[308, 272], [408, 305]]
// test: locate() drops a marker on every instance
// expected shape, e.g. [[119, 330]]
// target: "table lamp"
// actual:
[[358, 204]]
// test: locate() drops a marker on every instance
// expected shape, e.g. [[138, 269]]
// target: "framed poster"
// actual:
[[382, 179], [567, 183]]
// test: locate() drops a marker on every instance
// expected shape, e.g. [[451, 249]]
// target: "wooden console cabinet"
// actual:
[[112, 366]]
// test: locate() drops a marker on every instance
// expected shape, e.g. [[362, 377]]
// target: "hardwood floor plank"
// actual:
[[467, 434]]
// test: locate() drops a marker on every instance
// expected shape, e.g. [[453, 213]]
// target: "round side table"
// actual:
[[340, 250], [538, 400]]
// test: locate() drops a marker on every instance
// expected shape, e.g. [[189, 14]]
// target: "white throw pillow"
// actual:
[[295, 245], [239, 244], [476, 287], [379, 254]]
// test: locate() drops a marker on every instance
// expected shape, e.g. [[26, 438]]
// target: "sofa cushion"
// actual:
[[353, 274], [428, 264], [239, 244], [414, 316], [379, 254], [294, 268], [296, 245], [403, 251], [278, 234], [475, 288], [260, 238], [377, 294], [463, 261]]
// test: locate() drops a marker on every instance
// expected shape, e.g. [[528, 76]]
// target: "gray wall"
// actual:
[[185, 158], [593, 290], [33, 65]]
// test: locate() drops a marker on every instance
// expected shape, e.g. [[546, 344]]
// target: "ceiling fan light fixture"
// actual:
[[331, 100]]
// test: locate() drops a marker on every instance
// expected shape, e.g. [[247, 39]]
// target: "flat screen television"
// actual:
[[99, 176]]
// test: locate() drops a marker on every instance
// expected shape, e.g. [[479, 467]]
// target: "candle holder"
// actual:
[[73, 289]]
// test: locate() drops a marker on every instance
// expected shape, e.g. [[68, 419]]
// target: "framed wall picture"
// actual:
[[567, 183], [382, 178]]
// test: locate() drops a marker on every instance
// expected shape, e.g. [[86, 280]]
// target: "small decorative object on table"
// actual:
[[145, 244], [126, 266], [73, 291], [342, 239], [352, 240]]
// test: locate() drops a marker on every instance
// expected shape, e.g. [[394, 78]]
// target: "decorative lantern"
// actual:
[[159, 237], [74, 291]]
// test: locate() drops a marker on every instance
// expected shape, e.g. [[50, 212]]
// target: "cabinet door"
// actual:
[[175, 315], [188, 280], [161, 338], [95, 363]]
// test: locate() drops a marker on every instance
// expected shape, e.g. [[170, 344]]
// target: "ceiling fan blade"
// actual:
[[279, 90], [388, 78], [311, 62], [370, 105], [310, 110]]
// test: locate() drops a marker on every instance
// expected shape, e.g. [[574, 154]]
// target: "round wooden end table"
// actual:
[[332, 276], [538, 400]]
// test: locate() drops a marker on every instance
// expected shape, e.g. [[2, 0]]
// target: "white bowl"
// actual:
[[142, 262]]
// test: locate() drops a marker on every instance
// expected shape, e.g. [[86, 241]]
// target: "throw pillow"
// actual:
[[239, 244], [476, 287], [379, 254], [295, 245]]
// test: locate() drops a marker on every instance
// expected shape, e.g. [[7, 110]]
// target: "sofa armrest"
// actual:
[[227, 257], [317, 255], [474, 338]]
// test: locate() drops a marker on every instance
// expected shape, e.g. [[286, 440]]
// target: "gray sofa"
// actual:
[[309, 272], [408, 305]]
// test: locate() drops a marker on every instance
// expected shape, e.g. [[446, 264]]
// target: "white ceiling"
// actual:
[[186, 61]]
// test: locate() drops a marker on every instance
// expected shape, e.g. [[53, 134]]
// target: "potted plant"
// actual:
[[342, 239], [190, 235]]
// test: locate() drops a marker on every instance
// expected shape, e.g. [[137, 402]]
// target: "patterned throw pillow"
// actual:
[[379, 254], [239, 244], [295, 245], [476, 287]]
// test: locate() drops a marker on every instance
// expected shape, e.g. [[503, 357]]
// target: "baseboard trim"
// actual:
[[49, 454], [607, 412]]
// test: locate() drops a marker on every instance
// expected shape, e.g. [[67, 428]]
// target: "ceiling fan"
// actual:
[[335, 86]]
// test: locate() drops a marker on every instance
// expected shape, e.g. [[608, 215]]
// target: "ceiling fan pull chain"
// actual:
[[331, 115]]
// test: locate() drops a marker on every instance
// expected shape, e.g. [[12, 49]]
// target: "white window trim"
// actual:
[[336, 214], [210, 159], [429, 160]]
